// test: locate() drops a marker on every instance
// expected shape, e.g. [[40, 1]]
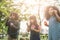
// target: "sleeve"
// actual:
[[17, 26]]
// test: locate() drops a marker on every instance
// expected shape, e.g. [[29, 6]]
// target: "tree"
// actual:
[[3, 15]]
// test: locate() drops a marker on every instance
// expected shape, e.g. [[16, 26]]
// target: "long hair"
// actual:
[[35, 20], [47, 9]]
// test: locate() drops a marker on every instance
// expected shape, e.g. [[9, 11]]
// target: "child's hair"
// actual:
[[47, 9], [16, 15], [35, 20]]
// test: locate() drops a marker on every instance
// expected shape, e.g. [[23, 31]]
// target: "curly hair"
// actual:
[[16, 15]]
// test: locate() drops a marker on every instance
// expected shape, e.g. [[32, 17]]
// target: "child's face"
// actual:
[[13, 17], [51, 10], [31, 20]]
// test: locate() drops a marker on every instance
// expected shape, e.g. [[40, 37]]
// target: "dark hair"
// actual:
[[16, 15], [54, 7]]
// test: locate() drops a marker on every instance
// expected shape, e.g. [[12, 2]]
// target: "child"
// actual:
[[53, 15], [34, 29], [13, 26]]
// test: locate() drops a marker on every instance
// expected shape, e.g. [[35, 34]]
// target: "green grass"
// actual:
[[43, 37]]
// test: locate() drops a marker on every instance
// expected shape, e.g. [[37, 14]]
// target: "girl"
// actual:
[[52, 14], [34, 29], [13, 26]]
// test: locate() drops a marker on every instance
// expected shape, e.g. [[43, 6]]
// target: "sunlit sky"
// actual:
[[33, 7]]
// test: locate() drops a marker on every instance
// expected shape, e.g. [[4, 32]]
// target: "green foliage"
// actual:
[[3, 15], [5, 8]]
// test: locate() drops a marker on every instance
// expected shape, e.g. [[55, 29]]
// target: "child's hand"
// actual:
[[11, 24], [45, 23], [55, 12], [32, 27]]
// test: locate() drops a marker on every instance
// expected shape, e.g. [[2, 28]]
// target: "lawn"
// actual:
[[43, 37]]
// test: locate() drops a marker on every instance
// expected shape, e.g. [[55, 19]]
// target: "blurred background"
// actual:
[[25, 8]]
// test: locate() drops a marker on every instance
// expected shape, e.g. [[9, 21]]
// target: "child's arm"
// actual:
[[37, 30], [15, 26], [57, 16], [28, 27], [46, 23]]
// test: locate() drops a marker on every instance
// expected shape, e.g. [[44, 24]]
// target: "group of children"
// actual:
[[51, 13]]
